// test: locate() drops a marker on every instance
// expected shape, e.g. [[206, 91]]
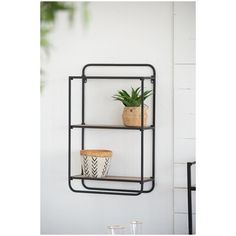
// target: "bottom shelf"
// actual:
[[114, 178]]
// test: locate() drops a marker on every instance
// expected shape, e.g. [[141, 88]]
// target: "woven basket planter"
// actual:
[[132, 116], [95, 163]]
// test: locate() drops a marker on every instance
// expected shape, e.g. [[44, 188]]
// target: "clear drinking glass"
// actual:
[[136, 227], [116, 229]]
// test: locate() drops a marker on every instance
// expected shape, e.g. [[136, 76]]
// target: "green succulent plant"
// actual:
[[134, 99]]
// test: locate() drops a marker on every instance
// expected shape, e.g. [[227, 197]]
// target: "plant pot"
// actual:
[[95, 163], [132, 116]]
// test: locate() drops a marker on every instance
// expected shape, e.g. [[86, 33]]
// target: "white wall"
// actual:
[[119, 32]]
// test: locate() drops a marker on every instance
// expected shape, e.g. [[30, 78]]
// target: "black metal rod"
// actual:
[[103, 192], [154, 125], [114, 189], [110, 189], [122, 190], [112, 77], [120, 65], [189, 193], [82, 119], [83, 102], [76, 77], [110, 127], [142, 133], [69, 130]]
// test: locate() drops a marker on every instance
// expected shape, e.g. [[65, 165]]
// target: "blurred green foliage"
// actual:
[[48, 13], [48, 17]]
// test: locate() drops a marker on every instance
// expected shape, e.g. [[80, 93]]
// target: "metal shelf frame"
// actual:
[[190, 188], [140, 179]]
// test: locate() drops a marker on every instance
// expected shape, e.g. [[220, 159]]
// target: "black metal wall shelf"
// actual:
[[128, 179]]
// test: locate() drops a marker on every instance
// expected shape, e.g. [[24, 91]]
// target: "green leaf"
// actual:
[[133, 100], [125, 93], [133, 93], [137, 91]]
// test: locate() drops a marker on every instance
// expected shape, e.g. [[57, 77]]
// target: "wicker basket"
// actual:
[[132, 116], [95, 163]]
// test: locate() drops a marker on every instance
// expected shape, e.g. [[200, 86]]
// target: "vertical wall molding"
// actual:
[[183, 15], [173, 100]]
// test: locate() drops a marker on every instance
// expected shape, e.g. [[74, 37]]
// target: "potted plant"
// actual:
[[132, 110]]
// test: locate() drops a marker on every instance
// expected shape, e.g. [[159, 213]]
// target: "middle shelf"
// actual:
[[111, 127]]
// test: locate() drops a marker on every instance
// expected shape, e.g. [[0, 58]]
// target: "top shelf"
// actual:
[[113, 77]]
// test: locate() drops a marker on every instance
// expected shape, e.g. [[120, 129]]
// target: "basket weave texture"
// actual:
[[96, 152], [132, 116]]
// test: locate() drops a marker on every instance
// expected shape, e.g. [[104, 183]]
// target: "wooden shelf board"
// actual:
[[114, 178], [111, 127]]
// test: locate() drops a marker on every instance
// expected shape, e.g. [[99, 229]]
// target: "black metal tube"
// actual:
[[113, 77], [154, 125], [115, 189], [82, 119], [142, 133], [120, 65], [110, 189], [83, 98], [69, 130], [189, 193], [103, 192], [115, 180]]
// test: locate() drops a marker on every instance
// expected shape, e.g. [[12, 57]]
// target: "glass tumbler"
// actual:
[[136, 227], [116, 229]]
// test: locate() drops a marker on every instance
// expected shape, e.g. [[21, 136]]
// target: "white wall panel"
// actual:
[[184, 32], [181, 223], [184, 77], [180, 175], [184, 109], [184, 102], [185, 126], [181, 201], [184, 150]]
